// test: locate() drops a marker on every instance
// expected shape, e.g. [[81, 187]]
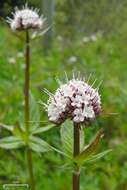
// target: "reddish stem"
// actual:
[[76, 151], [27, 86]]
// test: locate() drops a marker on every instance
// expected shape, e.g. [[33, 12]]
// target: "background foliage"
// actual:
[[90, 36]]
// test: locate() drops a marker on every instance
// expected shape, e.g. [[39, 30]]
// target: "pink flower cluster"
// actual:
[[26, 19], [75, 100]]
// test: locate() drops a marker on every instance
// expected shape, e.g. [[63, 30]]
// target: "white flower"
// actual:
[[91, 38], [20, 54], [72, 59], [12, 60], [26, 19], [75, 100], [94, 38], [85, 39]]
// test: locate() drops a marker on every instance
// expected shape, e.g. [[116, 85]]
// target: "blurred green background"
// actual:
[[88, 36]]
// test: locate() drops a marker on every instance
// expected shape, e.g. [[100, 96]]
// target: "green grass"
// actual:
[[105, 59]]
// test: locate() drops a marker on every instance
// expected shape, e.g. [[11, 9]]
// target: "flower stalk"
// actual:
[[27, 81], [76, 151], [24, 20], [26, 110]]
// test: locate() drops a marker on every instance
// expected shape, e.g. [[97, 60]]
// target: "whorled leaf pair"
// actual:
[[19, 136], [88, 153]]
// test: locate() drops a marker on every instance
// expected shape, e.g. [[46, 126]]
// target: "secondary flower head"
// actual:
[[26, 19], [75, 100]]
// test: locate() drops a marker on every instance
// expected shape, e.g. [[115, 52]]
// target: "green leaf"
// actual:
[[98, 156], [66, 133], [21, 120], [42, 129], [19, 132], [34, 113], [11, 142], [36, 35], [39, 145], [8, 127], [89, 150], [60, 152], [82, 142]]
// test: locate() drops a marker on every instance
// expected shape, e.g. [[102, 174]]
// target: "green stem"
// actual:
[[27, 82], [27, 86], [30, 169], [76, 151]]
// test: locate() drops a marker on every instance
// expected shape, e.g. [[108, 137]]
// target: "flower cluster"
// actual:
[[26, 19], [75, 100]]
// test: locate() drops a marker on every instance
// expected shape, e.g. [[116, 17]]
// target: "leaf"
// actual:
[[35, 35], [21, 120], [8, 127], [42, 129], [39, 145], [90, 149], [19, 132], [34, 113], [11, 142], [67, 166], [60, 152], [82, 142], [66, 133], [98, 156]]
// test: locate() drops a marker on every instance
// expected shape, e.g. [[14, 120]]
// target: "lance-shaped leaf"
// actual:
[[66, 133], [7, 127], [34, 113], [39, 145], [19, 132], [61, 152], [11, 142], [98, 156], [42, 129], [35, 35], [89, 150]]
